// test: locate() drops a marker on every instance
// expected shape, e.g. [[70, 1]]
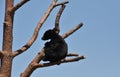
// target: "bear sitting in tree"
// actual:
[[56, 49]]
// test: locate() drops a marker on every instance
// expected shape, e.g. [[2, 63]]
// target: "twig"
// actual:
[[57, 28], [62, 3], [72, 30], [61, 61], [17, 6]]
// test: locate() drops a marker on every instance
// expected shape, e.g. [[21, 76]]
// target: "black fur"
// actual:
[[56, 49]]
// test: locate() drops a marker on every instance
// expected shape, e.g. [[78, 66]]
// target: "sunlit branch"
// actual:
[[61, 61], [72, 30]]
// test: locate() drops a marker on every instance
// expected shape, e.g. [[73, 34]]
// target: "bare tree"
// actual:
[[7, 54]]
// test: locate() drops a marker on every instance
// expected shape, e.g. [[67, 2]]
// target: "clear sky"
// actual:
[[98, 39]]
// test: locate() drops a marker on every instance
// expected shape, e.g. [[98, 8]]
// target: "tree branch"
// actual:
[[17, 6], [36, 31], [57, 28], [61, 61], [72, 30], [31, 67]]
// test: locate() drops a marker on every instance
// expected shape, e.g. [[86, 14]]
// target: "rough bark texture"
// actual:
[[5, 70]]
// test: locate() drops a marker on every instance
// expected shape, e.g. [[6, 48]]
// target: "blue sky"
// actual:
[[98, 39]]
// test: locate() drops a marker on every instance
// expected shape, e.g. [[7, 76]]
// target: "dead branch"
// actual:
[[17, 6], [59, 62], [31, 67], [72, 30], [39, 56], [57, 28]]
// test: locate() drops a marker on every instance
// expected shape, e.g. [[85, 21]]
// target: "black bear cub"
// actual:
[[56, 49]]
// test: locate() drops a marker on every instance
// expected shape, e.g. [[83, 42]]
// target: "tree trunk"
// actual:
[[7, 58]]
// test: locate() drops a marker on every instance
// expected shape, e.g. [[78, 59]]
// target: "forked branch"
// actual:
[[17, 6]]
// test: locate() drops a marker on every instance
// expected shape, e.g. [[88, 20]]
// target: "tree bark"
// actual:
[[6, 60]]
